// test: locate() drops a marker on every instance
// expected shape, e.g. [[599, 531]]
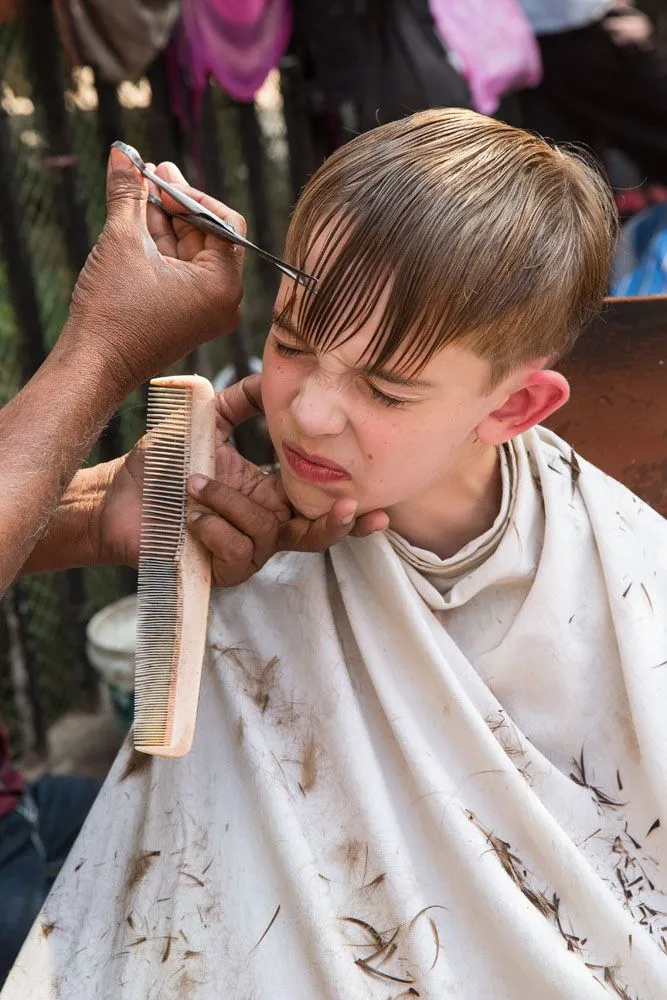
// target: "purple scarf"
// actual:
[[236, 41]]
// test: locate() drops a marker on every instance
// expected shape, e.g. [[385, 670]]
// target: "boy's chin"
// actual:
[[309, 501]]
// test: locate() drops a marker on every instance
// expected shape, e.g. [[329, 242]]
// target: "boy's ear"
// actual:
[[541, 393]]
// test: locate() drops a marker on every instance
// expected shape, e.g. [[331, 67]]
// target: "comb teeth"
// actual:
[[159, 594]]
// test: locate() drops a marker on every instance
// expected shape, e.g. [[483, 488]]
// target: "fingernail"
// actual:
[[117, 158], [194, 516], [349, 518], [197, 483]]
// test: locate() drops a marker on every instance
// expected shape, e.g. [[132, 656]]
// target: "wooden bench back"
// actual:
[[617, 415]]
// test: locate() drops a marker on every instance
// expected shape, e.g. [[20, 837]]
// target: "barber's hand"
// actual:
[[250, 517], [153, 288]]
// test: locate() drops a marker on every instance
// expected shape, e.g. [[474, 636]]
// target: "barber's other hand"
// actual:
[[153, 288], [247, 516], [250, 516]]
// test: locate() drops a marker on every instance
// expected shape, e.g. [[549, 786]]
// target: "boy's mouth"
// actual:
[[313, 468]]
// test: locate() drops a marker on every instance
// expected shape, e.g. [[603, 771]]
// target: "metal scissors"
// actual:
[[208, 221]]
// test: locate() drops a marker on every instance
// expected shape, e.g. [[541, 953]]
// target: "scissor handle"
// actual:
[[209, 223], [198, 215]]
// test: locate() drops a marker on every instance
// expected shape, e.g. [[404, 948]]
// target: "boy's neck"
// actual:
[[456, 510]]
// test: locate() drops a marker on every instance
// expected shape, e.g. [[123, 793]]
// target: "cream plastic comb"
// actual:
[[174, 568]]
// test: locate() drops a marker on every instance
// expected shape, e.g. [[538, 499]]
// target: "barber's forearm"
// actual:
[[45, 433], [72, 537]]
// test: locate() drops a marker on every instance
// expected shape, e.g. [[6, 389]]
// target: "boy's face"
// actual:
[[341, 432]]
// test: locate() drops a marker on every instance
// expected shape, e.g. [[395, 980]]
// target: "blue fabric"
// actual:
[[548, 17], [648, 246], [35, 839]]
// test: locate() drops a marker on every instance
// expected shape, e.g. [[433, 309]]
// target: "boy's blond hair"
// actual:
[[475, 232]]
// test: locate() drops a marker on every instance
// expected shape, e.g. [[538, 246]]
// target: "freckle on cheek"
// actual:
[[369, 456]]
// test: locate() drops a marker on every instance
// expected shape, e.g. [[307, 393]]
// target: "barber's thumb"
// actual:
[[127, 189]]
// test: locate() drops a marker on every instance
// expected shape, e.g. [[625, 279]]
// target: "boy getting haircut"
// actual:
[[432, 762]]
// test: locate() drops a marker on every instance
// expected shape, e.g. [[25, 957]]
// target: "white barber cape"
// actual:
[[401, 788]]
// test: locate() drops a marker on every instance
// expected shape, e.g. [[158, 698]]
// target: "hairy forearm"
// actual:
[[45, 433], [72, 535]]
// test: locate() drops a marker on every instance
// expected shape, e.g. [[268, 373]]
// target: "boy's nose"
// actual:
[[317, 408]]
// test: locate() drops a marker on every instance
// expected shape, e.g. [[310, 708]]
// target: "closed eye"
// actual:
[[289, 351], [383, 398], [286, 350]]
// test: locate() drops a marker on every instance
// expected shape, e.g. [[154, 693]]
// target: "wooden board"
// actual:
[[617, 415]]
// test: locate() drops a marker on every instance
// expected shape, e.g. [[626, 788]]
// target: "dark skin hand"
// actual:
[[243, 516], [246, 516], [158, 279], [134, 312]]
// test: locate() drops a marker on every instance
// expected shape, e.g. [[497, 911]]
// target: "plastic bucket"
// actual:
[[111, 639]]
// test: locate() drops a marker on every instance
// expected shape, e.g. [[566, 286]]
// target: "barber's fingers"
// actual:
[[191, 240], [242, 534], [232, 552], [301, 535], [159, 224], [127, 194], [368, 524], [239, 532], [170, 172], [237, 403]]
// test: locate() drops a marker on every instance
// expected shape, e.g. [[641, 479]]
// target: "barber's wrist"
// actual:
[[86, 495], [97, 366], [82, 517], [74, 534]]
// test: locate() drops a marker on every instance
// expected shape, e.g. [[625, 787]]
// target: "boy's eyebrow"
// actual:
[[393, 378]]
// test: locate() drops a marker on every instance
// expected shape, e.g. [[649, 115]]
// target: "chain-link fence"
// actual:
[[56, 125]]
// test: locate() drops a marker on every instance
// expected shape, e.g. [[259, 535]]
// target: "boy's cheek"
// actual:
[[277, 391], [271, 400]]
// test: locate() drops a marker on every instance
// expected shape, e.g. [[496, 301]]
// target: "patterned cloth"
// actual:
[[237, 41], [493, 47]]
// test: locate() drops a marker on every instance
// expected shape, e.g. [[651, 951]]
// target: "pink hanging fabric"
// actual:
[[492, 45], [236, 41]]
